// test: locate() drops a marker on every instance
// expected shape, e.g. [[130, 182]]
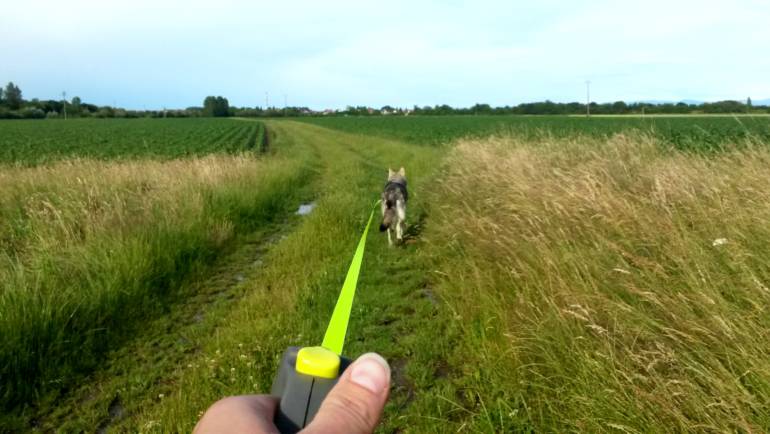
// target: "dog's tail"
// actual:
[[388, 216]]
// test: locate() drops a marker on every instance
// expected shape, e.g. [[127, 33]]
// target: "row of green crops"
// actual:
[[690, 132], [39, 142]]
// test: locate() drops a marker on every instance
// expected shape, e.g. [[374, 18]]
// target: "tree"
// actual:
[[223, 107], [216, 106], [13, 96], [748, 101], [1, 96], [76, 108], [619, 107]]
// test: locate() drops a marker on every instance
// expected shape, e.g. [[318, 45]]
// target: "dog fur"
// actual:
[[394, 198]]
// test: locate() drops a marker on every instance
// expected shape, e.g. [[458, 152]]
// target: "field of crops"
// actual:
[[557, 278], [35, 142], [691, 132]]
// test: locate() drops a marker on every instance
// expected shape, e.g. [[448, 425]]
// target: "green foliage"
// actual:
[[42, 142], [216, 106], [694, 133], [562, 282], [127, 236], [604, 285], [12, 97], [75, 106]]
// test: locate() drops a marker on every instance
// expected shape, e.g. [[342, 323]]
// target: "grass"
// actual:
[[606, 285], [27, 143], [90, 249], [550, 282], [291, 299], [692, 133]]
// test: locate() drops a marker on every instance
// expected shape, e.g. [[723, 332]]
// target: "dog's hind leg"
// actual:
[[390, 241], [400, 220]]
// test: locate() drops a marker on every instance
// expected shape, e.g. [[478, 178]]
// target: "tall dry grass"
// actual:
[[88, 249], [609, 285]]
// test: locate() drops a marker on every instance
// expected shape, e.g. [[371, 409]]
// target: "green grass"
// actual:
[[91, 249], [695, 133], [550, 282], [39, 142], [591, 289]]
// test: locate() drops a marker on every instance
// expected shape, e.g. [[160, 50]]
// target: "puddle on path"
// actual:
[[306, 208]]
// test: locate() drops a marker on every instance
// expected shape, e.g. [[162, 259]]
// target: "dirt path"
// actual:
[[278, 289]]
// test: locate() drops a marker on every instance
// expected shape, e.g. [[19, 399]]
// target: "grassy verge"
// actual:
[[605, 285], [90, 249]]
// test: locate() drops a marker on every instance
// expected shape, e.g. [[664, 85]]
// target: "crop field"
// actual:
[[690, 132], [24, 142], [558, 275]]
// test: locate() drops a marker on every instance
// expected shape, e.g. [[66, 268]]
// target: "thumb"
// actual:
[[355, 403]]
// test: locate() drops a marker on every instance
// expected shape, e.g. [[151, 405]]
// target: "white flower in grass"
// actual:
[[719, 242]]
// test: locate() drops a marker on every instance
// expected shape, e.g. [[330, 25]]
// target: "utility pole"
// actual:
[[285, 104], [266, 102], [64, 103], [588, 98]]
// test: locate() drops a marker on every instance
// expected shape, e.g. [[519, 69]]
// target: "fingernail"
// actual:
[[371, 372]]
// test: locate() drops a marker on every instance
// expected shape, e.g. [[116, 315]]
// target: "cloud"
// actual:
[[150, 53]]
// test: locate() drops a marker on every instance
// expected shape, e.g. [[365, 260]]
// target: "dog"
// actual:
[[394, 197]]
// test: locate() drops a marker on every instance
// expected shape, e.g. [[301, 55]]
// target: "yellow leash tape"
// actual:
[[334, 339]]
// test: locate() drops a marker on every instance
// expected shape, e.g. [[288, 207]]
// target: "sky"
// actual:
[[331, 54]]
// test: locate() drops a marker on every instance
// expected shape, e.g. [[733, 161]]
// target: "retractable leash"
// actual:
[[306, 375]]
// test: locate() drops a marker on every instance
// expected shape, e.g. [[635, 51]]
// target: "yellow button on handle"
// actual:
[[318, 362]]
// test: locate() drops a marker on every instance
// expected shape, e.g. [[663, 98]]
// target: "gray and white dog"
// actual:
[[394, 197]]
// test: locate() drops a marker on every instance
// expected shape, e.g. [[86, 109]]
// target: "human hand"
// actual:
[[353, 406]]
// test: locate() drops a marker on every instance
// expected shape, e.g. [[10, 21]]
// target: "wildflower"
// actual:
[[719, 242], [160, 395]]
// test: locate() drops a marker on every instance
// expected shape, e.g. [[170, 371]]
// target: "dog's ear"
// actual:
[[390, 172], [401, 171]]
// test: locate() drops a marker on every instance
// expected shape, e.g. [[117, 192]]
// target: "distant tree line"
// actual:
[[533, 108], [14, 106]]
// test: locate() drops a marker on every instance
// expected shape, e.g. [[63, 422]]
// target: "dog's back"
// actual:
[[394, 198]]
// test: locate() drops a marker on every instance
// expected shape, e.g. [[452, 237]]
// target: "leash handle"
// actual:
[[305, 377], [308, 374]]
